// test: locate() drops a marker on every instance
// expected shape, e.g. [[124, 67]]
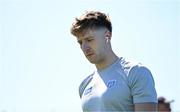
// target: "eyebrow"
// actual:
[[89, 37]]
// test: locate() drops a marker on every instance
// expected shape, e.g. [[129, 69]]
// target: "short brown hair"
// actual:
[[90, 20]]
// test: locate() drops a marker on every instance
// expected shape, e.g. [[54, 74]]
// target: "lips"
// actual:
[[89, 54]]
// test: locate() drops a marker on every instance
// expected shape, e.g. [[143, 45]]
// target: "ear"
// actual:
[[108, 34]]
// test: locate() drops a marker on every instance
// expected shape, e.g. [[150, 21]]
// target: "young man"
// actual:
[[116, 85]]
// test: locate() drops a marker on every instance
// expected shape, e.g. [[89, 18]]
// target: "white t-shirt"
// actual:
[[117, 88]]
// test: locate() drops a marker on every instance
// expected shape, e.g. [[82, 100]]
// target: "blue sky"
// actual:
[[41, 64]]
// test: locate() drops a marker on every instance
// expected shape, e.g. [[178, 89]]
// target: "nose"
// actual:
[[85, 46]]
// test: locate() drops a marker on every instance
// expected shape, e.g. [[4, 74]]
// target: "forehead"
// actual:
[[91, 33]]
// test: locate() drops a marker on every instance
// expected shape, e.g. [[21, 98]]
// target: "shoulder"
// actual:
[[140, 81], [134, 70], [84, 83], [142, 85], [140, 71], [127, 65]]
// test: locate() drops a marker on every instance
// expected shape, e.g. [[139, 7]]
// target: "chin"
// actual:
[[92, 61]]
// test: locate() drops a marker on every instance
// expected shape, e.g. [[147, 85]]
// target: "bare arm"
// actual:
[[150, 107]]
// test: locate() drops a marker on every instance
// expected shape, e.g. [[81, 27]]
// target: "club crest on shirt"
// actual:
[[111, 83], [87, 91]]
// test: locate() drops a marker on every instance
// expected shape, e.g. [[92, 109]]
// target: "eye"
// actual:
[[89, 40]]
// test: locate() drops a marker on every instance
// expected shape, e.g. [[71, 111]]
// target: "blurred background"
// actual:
[[41, 64]]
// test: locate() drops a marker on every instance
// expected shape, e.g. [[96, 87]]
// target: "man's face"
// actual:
[[94, 44]]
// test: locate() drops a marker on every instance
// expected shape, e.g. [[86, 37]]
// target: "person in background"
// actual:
[[164, 105]]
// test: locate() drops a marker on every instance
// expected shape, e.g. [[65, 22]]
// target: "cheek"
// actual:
[[98, 47], [102, 47], [99, 50]]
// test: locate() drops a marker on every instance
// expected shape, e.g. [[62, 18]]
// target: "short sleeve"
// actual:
[[142, 85], [84, 84]]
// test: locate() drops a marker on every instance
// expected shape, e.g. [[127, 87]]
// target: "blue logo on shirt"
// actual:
[[88, 91], [111, 83]]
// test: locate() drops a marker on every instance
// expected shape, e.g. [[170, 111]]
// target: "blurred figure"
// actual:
[[163, 105]]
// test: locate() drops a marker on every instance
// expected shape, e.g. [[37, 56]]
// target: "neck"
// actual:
[[108, 60]]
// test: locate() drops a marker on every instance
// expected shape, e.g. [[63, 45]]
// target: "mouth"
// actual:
[[89, 54]]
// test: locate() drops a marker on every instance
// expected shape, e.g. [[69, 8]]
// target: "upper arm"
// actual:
[[142, 86], [145, 107]]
